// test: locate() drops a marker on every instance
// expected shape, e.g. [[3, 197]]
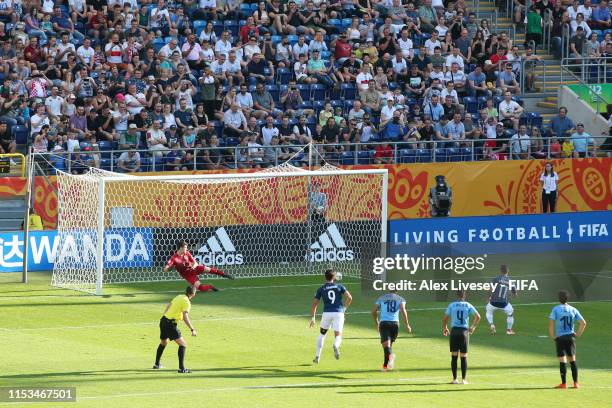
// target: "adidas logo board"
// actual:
[[330, 247], [219, 250]]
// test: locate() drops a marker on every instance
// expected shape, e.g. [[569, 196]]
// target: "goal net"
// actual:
[[282, 221]]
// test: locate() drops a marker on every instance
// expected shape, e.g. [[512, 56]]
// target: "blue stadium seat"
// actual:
[[231, 141], [347, 158], [466, 154], [346, 23], [336, 23], [218, 29], [145, 164], [348, 105], [304, 91], [199, 26], [453, 154], [349, 91], [440, 155], [365, 157], [306, 105], [273, 89], [283, 76], [318, 105], [482, 102], [158, 43], [21, 134], [233, 27], [336, 103], [534, 119], [218, 128], [106, 148], [423, 156], [497, 100], [407, 156], [317, 92], [471, 105], [105, 163]]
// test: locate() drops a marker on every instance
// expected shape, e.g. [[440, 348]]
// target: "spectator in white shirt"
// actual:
[[454, 57], [224, 45], [509, 111], [579, 22]]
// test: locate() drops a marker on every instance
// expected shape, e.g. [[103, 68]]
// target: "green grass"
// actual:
[[254, 349]]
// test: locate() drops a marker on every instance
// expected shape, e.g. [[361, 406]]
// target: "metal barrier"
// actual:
[[7, 164], [547, 29], [591, 72], [525, 68], [338, 154], [565, 39]]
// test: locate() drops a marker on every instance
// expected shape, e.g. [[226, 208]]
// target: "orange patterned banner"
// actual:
[[479, 188]]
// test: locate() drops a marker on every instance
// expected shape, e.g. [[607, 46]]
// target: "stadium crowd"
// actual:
[[154, 81]]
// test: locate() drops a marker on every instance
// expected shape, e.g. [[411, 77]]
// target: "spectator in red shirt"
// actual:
[[249, 30], [342, 48], [384, 154], [498, 59]]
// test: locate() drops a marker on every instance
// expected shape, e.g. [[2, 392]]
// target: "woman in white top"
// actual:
[[549, 179]]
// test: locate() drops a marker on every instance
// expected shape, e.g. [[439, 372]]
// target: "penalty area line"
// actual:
[[212, 319]]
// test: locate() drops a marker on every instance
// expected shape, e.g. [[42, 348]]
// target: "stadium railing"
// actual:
[[594, 70], [338, 154]]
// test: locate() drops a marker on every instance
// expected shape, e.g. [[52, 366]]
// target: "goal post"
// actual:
[[282, 221]]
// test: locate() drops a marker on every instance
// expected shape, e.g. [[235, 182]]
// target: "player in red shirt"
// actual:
[[188, 268]]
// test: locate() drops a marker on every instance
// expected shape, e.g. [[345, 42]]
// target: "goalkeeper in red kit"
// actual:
[[188, 268]]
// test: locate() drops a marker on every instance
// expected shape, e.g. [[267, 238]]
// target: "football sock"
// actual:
[[454, 366], [574, 371], [563, 371], [463, 367], [337, 341], [216, 271], [320, 342], [160, 351], [387, 351], [204, 288], [489, 316], [509, 322], [181, 357]]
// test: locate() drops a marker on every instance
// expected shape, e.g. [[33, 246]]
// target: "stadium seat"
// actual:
[[349, 91], [273, 89], [231, 141], [106, 148], [471, 105], [317, 92], [497, 100], [365, 157], [318, 105], [348, 105], [283, 76], [423, 156], [158, 43], [466, 154], [304, 91], [105, 163], [306, 105], [21, 134], [440, 155], [336, 23], [199, 26], [347, 158], [407, 156], [233, 27], [482, 102]]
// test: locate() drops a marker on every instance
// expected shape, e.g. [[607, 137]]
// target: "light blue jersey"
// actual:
[[564, 316], [389, 306], [459, 313]]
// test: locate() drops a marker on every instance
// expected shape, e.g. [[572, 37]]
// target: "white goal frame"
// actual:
[[220, 177]]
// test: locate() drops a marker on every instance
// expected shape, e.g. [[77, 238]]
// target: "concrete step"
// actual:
[[11, 203], [551, 99], [11, 224], [549, 105]]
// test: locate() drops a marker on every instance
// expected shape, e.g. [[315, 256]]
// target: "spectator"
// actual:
[[478, 83], [582, 141], [506, 81], [600, 19], [129, 162], [560, 126], [520, 144], [7, 141], [455, 129], [317, 68], [510, 111], [130, 139], [395, 128], [383, 154], [156, 140], [235, 122], [262, 101]]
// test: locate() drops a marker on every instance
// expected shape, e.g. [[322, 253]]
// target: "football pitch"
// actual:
[[254, 349]]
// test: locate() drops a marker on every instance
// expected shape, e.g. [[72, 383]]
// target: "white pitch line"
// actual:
[[329, 384], [209, 319]]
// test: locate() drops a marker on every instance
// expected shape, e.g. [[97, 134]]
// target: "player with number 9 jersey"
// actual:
[[332, 294]]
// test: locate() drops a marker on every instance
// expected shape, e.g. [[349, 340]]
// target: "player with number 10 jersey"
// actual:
[[332, 295]]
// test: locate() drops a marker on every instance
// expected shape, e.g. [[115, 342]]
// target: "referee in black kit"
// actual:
[[177, 310]]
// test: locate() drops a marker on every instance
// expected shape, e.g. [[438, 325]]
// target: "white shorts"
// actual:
[[335, 320], [508, 309]]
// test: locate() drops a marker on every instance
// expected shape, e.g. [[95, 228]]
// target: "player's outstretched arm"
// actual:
[[188, 323], [375, 315], [405, 317], [348, 299], [445, 331], [581, 328], [313, 311], [551, 329]]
